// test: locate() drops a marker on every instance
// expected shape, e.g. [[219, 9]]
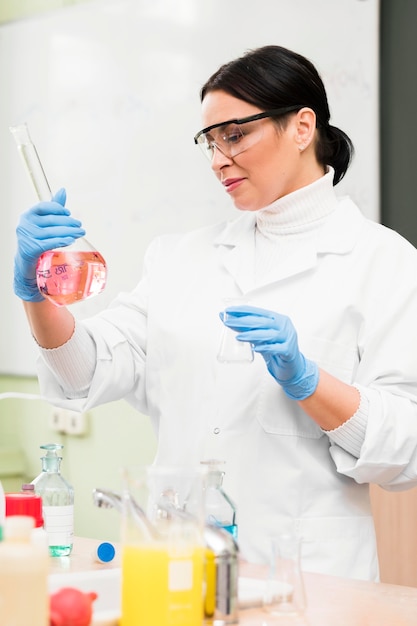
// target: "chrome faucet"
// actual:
[[103, 498], [107, 499]]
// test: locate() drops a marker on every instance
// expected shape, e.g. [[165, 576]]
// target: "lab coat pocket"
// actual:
[[278, 415], [343, 546]]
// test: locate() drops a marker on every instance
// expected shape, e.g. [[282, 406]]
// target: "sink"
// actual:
[[105, 583]]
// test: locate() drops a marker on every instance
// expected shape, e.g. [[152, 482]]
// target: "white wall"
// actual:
[[109, 90]]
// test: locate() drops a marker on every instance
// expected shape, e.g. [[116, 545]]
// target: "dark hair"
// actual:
[[272, 77]]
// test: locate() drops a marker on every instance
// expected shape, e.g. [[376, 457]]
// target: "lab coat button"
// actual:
[[216, 430]]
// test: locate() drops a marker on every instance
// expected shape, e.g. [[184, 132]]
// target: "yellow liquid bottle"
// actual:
[[162, 587]]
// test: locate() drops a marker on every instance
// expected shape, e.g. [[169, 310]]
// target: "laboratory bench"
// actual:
[[331, 601]]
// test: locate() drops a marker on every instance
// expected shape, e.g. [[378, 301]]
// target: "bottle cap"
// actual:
[[25, 504], [105, 552], [28, 487]]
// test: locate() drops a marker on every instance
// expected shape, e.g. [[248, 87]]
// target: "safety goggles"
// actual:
[[235, 136]]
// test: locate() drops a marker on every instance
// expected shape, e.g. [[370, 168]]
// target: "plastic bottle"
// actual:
[[24, 568], [30, 504], [2, 510], [57, 500], [220, 509]]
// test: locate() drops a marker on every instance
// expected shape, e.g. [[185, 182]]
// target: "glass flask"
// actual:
[[231, 350], [220, 509], [284, 591], [67, 275], [57, 501], [71, 273]]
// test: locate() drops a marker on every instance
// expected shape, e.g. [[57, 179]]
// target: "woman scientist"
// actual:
[[329, 403]]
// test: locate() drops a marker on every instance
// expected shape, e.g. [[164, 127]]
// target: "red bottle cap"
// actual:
[[25, 504]]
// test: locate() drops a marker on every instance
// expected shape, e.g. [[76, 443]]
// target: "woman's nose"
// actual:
[[219, 159]]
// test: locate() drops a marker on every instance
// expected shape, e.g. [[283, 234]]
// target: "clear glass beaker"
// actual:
[[163, 556], [63, 275], [284, 591]]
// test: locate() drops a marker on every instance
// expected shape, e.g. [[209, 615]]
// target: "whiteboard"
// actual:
[[110, 92]]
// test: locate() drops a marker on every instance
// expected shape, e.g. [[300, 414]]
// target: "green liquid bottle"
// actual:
[[57, 501]]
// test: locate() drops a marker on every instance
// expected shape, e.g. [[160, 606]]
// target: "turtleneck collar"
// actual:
[[299, 210]]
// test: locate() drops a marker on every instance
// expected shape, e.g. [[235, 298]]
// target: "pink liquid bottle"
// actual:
[[72, 273]]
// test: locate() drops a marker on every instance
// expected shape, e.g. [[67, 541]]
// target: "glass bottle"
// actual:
[[72, 273], [57, 501], [220, 509]]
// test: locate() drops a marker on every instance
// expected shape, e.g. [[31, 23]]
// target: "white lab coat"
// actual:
[[351, 293]]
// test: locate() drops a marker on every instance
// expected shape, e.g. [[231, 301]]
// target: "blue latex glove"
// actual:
[[274, 336], [45, 226]]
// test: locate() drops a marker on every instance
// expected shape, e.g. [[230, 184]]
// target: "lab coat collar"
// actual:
[[337, 234]]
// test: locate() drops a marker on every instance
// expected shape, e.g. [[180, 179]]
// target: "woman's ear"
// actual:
[[305, 127]]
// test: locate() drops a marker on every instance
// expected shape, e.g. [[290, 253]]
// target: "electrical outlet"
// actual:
[[75, 423], [57, 420], [68, 422]]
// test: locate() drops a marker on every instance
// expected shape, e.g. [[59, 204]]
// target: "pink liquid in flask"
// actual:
[[65, 276]]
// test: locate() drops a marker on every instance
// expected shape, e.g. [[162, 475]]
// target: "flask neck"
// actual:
[[215, 478]]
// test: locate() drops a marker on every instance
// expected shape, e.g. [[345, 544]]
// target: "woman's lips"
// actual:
[[230, 184]]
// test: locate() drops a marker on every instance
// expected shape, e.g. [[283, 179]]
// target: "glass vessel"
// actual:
[[284, 591], [57, 501], [163, 552], [67, 275], [220, 509], [231, 350], [72, 273]]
